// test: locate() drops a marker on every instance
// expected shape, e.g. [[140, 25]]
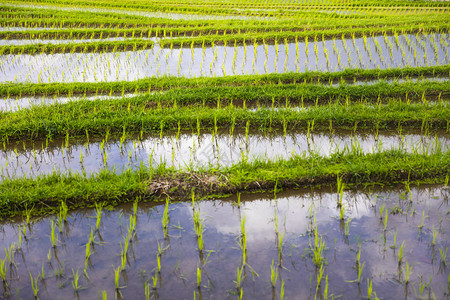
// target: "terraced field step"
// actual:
[[193, 151], [165, 83]]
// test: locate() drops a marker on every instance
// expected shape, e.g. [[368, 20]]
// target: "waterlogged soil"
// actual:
[[190, 150], [377, 52], [408, 242]]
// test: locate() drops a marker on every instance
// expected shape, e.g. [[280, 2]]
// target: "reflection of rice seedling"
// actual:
[[422, 220], [165, 218], [342, 212], [443, 255], [319, 277], [394, 245], [98, 209], [407, 272], [280, 245], [340, 189], [347, 227], [53, 235], [401, 253], [155, 281]]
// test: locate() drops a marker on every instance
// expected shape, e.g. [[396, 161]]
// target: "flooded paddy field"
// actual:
[[193, 151], [381, 52], [389, 242], [133, 166]]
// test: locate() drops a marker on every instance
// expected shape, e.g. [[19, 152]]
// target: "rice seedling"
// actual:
[[117, 278], [98, 209], [3, 271], [199, 277], [155, 281], [34, 286], [239, 277], [360, 269], [165, 218], [75, 282], [407, 272], [385, 220], [370, 293], [443, 256], [434, 235], [10, 254], [273, 275], [318, 250], [158, 263]]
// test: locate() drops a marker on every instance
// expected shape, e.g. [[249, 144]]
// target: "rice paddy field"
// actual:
[[224, 149]]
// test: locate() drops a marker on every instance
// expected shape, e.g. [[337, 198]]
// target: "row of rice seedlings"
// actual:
[[231, 27], [425, 131], [432, 114], [290, 4], [156, 30], [211, 33], [82, 47], [135, 157], [210, 39], [248, 13], [215, 61], [159, 84]]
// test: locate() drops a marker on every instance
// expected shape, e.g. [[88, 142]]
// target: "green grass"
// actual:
[[388, 167], [168, 82], [250, 38], [104, 46], [98, 117]]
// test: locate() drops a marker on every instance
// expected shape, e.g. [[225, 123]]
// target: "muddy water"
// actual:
[[193, 151], [376, 52], [292, 218]]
